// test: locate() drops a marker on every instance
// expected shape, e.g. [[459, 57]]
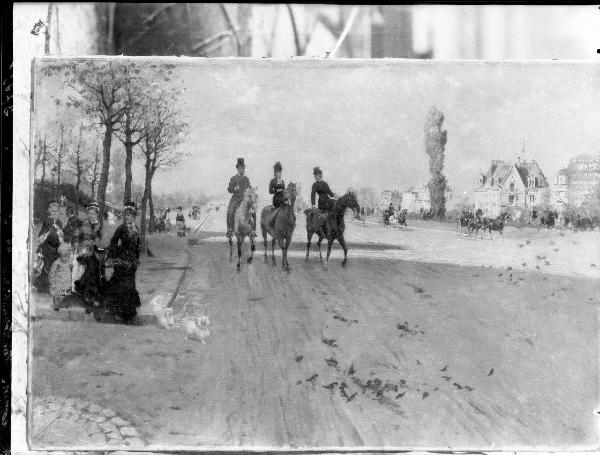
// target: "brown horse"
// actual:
[[281, 227], [244, 224], [332, 227]]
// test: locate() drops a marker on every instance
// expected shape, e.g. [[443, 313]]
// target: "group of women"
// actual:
[[70, 261]]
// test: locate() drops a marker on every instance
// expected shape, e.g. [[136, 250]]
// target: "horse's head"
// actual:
[[289, 196], [351, 202], [251, 197]]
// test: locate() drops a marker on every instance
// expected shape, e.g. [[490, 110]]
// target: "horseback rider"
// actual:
[[277, 189], [238, 184], [321, 188]]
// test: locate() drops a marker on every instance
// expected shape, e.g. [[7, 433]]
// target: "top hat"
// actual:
[[240, 162], [317, 170], [277, 167]]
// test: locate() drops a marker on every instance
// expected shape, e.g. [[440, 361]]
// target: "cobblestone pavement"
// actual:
[[57, 419]]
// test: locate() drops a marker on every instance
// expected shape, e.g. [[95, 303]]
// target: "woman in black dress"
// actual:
[[121, 298], [277, 186]]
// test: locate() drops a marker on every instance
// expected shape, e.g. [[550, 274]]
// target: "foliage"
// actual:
[[435, 143]]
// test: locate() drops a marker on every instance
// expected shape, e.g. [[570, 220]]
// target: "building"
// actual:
[[519, 185], [419, 200], [390, 197], [574, 183]]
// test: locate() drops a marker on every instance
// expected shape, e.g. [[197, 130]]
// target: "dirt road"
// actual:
[[384, 353]]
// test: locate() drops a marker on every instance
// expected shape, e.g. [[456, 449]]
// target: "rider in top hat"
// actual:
[[238, 184], [321, 188]]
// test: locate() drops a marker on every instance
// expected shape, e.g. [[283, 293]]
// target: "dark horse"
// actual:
[[332, 227], [282, 227], [496, 224], [466, 216], [549, 219]]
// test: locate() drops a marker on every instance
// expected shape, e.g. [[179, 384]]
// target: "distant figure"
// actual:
[[238, 184], [180, 222], [89, 236], [534, 216]]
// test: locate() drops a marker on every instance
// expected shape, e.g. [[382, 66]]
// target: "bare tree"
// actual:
[[92, 176], [98, 91], [59, 158], [79, 162], [163, 134], [130, 130], [42, 156]]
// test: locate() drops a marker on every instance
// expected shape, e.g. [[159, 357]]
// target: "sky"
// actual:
[[362, 121]]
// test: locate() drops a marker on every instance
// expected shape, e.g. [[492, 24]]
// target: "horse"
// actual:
[[401, 217], [496, 224], [387, 216], [583, 223], [244, 224], [465, 218], [281, 227], [333, 226], [548, 219]]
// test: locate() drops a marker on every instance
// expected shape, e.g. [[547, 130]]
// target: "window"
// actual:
[[532, 199], [511, 199], [536, 182], [512, 186]]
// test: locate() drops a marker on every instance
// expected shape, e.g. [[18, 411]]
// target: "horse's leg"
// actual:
[[239, 245], [319, 245], [342, 242], [309, 238], [329, 245], [273, 251], [230, 249], [252, 248], [285, 252], [264, 236]]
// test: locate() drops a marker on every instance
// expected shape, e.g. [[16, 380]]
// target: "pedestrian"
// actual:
[[60, 276], [49, 238], [121, 297], [180, 222], [238, 184], [89, 235]]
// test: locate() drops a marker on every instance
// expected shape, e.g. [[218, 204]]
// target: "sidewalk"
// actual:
[[160, 273]]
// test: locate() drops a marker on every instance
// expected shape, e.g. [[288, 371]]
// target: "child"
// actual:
[[60, 276], [180, 220]]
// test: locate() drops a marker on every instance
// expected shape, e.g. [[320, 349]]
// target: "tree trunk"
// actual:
[[128, 160], [151, 202], [147, 184], [95, 174], [103, 183], [151, 210]]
